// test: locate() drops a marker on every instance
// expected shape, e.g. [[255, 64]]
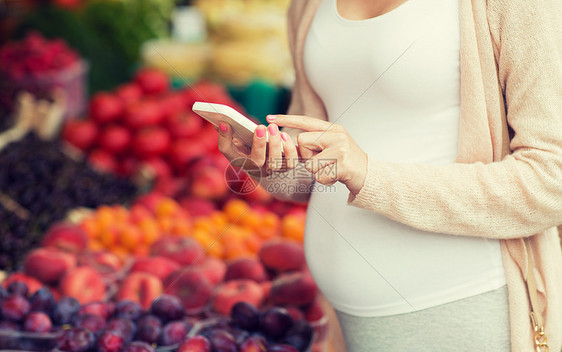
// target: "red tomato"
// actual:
[[128, 93], [184, 125], [105, 108], [172, 104], [103, 161], [151, 142], [80, 133], [115, 139], [184, 151], [143, 114], [152, 81]]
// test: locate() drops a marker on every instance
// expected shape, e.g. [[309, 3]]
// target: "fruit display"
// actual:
[[40, 322], [144, 124], [44, 183], [39, 66], [238, 230]]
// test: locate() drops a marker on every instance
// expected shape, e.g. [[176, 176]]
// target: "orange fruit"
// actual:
[[235, 249], [293, 227], [121, 252], [167, 207], [181, 227], [120, 213], [90, 227], [270, 225], [150, 230], [253, 243], [95, 245], [210, 244], [138, 213], [165, 224], [141, 250], [130, 237], [109, 236], [235, 209]]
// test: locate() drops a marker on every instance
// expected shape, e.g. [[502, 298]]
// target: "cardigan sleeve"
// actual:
[[518, 196]]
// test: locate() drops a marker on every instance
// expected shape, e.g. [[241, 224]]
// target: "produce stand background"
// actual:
[[142, 64]]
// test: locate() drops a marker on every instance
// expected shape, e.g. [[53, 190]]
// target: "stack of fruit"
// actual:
[[144, 122], [237, 231], [36, 321], [38, 66], [40, 180]]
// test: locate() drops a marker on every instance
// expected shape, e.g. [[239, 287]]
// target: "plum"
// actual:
[[245, 315], [195, 344], [110, 341], [15, 307], [42, 300], [124, 327], [281, 348], [254, 344], [299, 336], [65, 310], [76, 340], [222, 341], [128, 310], [167, 308], [138, 346], [91, 322], [18, 288], [174, 332], [275, 322], [149, 329], [9, 326], [37, 322]]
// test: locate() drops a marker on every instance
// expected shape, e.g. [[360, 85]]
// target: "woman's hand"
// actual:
[[324, 144], [261, 158]]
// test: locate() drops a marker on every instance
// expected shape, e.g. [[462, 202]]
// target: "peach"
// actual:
[[66, 237], [32, 283], [314, 311], [142, 288], [158, 266], [106, 263], [213, 269], [208, 183], [48, 265], [191, 287], [282, 255], [245, 268], [227, 294], [294, 288], [184, 251], [83, 283], [198, 206]]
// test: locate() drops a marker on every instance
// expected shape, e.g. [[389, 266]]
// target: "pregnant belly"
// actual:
[[367, 264]]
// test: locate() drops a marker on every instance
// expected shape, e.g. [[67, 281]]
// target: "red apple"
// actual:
[[48, 265], [80, 133], [184, 125], [65, 237], [83, 283], [183, 151], [105, 108], [142, 288], [172, 104], [115, 139]]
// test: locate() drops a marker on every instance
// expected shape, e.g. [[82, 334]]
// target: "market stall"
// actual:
[[121, 228]]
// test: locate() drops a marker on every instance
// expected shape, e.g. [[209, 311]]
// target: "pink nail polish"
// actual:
[[273, 129], [284, 136], [223, 128], [260, 132], [271, 118]]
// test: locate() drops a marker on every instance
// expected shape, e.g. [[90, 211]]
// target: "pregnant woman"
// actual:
[[435, 129]]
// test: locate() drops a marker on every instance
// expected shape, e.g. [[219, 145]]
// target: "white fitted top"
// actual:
[[393, 82]]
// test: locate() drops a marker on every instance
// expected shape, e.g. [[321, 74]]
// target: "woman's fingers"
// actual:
[[290, 150], [275, 160], [301, 122], [259, 146], [225, 142]]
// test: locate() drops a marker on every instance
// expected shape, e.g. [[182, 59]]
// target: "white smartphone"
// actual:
[[242, 127]]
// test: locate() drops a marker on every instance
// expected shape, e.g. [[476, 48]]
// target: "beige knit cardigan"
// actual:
[[500, 187]]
